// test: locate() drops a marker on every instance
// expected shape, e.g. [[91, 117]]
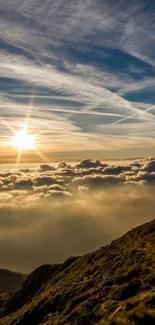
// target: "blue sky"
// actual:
[[85, 72]]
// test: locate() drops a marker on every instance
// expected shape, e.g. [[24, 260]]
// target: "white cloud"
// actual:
[[38, 39], [48, 214]]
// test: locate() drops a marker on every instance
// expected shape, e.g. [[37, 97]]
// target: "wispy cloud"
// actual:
[[91, 64]]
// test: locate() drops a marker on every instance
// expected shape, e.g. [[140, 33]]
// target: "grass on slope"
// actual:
[[114, 285]]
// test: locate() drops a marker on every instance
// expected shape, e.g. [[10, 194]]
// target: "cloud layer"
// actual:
[[51, 212]]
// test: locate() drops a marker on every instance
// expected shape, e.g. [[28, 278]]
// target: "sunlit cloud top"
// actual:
[[84, 73]]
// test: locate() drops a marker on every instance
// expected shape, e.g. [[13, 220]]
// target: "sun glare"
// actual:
[[23, 141]]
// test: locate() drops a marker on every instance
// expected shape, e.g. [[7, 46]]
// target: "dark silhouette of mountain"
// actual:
[[10, 281], [112, 286]]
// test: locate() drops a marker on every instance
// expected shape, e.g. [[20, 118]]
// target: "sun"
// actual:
[[23, 141]]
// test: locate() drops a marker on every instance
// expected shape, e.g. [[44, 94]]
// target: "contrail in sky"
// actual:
[[136, 114]]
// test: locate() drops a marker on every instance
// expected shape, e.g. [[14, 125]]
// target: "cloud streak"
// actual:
[[88, 63]]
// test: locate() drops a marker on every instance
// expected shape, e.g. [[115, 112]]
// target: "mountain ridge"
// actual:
[[10, 280], [114, 285]]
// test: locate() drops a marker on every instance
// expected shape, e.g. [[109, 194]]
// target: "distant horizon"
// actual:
[[56, 161]]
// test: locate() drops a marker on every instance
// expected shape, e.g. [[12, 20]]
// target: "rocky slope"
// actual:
[[112, 286]]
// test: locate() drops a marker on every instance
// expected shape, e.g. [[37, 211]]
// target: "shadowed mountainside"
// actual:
[[10, 281], [112, 286]]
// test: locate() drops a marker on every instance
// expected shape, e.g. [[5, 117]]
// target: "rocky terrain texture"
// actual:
[[112, 286]]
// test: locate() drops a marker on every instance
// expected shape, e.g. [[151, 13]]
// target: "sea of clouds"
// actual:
[[49, 213]]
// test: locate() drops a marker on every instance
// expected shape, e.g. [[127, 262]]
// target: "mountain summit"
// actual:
[[114, 285]]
